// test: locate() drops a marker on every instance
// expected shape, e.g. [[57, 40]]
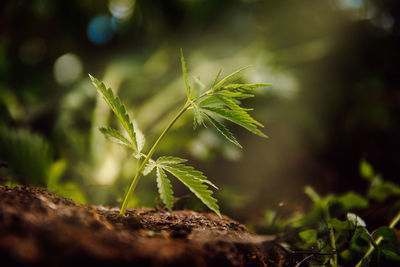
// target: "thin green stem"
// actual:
[[148, 157], [331, 234], [371, 249]]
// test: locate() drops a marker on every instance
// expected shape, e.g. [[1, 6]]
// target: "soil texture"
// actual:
[[38, 228]]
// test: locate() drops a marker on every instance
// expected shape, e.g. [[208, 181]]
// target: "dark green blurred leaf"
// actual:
[[309, 236], [360, 240], [341, 227], [71, 190], [57, 169], [27, 154], [366, 170], [312, 194], [349, 201], [382, 190], [391, 255], [386, 232]]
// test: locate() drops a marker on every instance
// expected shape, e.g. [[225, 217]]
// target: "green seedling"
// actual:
[[222, 101]]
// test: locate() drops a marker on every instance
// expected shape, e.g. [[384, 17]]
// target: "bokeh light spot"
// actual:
[[67, 69], [101, 29], [121, 9]]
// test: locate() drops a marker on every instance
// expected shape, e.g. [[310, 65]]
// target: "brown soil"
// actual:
[[41, 229]]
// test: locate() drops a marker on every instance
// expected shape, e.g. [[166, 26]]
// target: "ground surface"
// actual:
[[38, 228]]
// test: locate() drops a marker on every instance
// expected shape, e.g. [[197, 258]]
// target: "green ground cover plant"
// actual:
[[222, 101], [332, 234]]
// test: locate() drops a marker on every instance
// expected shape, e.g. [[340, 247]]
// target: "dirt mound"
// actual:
[[39, 228]]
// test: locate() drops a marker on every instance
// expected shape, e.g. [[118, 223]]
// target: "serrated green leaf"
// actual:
[[228, 79], [233, 104], [216, 78], [117, 107], [234, 95], [191, 178], [198, 118], [194, 173], [115, 136], [151, 164], [239, 117], [196, 186], [140, 139], [223, 130], [185, 76], [229, 97], [165, 188], [210, 101], [246, 86], [239, 91], [170, 160]]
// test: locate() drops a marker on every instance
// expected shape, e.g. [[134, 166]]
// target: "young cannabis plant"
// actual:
[[221, 101]]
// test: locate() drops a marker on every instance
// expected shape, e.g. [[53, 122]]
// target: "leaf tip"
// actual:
[[218, 213], [93, 79]]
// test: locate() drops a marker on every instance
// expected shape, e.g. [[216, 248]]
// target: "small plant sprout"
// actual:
[[221, 101]]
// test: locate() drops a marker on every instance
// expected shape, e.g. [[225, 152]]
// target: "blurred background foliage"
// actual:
[[335, 97]]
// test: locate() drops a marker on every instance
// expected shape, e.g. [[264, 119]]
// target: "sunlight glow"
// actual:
[[108, 171]]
